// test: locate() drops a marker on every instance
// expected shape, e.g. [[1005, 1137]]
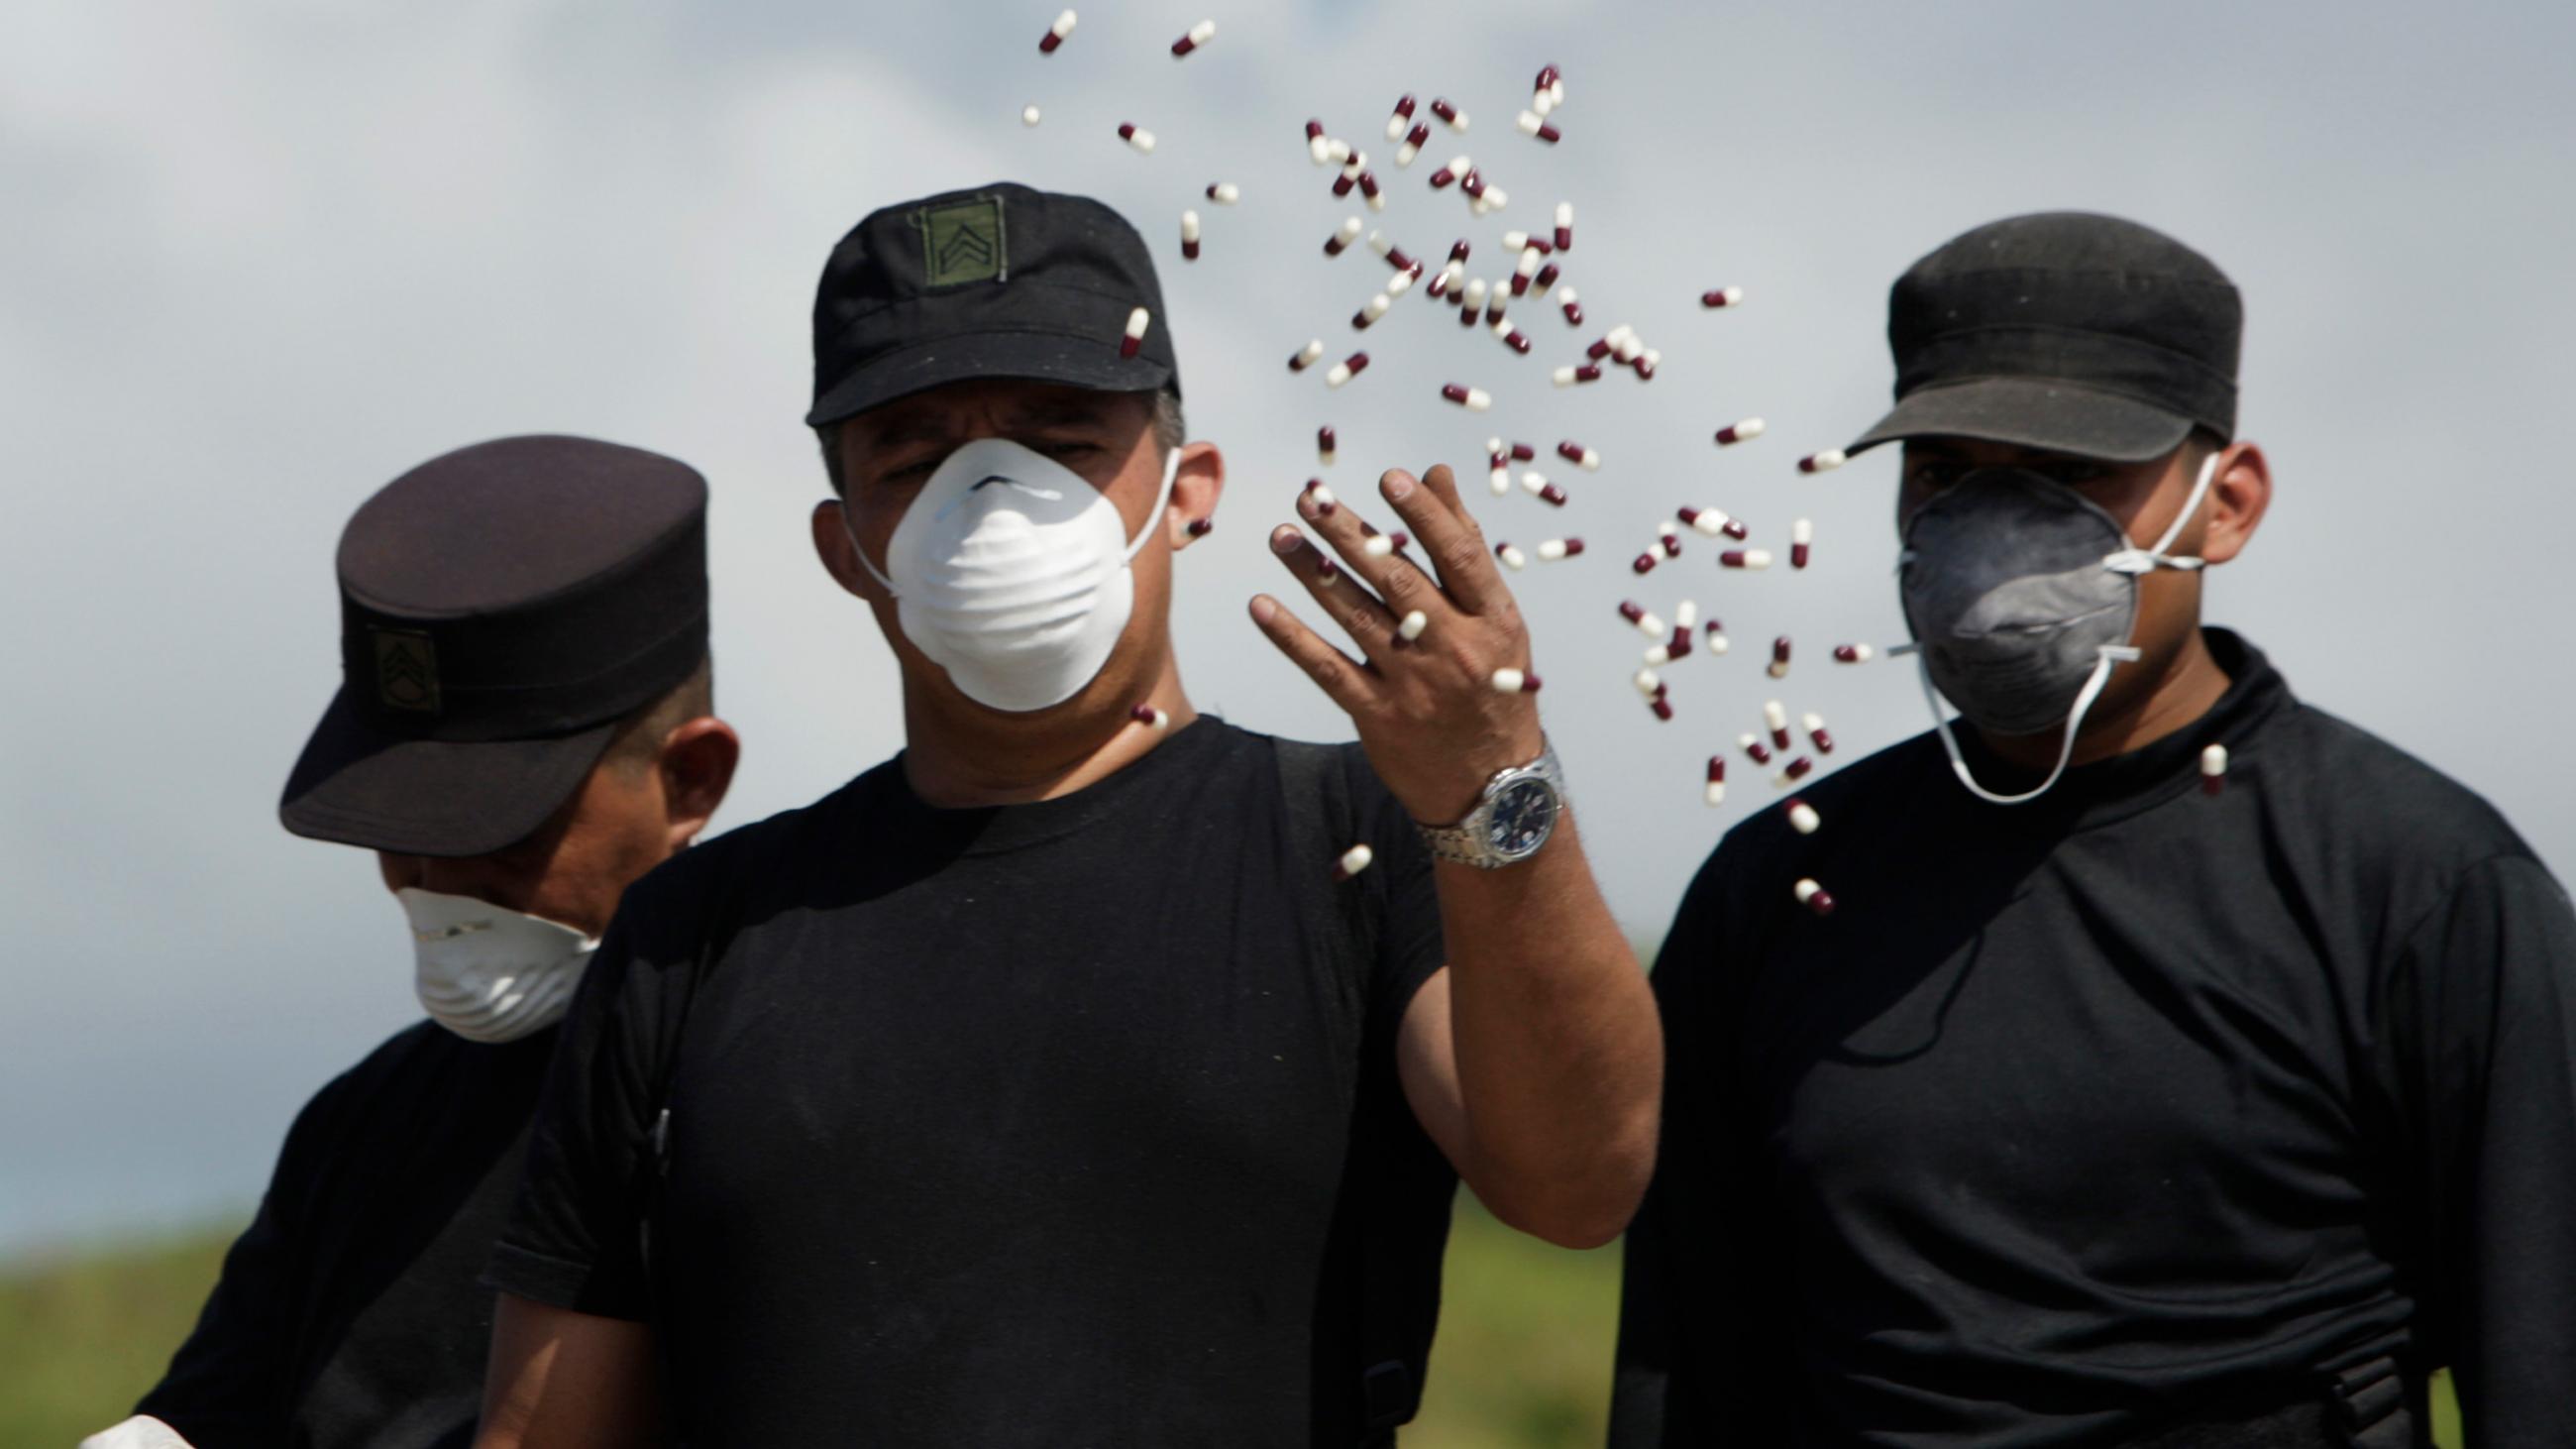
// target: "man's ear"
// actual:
[[839, 554], [696, 767], [1195, 489], [2239, 494]]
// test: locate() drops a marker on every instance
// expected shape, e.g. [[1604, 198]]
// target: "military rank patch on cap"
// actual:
[[406, 670], [961, 242]]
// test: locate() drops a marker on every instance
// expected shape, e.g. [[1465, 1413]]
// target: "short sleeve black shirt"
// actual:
[[2130, 1107], [1026, 1125]]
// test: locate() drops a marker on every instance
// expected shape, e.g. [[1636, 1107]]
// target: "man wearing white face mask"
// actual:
[[523, 728], [1094, 1072], [2177, 1065]]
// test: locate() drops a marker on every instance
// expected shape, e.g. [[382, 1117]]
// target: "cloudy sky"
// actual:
[[261, 257]]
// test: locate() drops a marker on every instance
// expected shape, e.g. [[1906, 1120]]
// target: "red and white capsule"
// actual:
[[1189, 236], [1745, 558], [2213, 769], [1137, 321], [1814, 897], [1325, 503], [1754, 749], [1150, 717], [1512, 558], [1564, 226], [1535, 125], [1669, 539], [1794, 771], [1579, 455], [1056, 34], [1742, 432], [1710, 521], [1648, 683], [1412, 147], [1352, 862], [1319, 147], [1403, 113], [1714, 792], [1854, 653], [1514, 681], [1775, 719], [1523, 270], [1137, 137], [1369, 191], [1722, 297], [1821, 737], [1473, 399], [1346, 369], [1453, 117], [1306, 356], [1571, 306], [1802, 816], [1371, 310], [1342, 237], [1802, 535], [1458, 167], [1644, 620], [1780, 665], [1555, 549], [1199, 34], [1224, 193], [1713, 635], [1325, 442], [1824, 462], [1410, 627]]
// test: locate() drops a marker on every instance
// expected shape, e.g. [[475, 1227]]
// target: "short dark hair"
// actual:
[[1171, 430], [639, 737]]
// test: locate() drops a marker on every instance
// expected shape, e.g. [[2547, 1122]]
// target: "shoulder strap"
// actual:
[[1392, 1337]]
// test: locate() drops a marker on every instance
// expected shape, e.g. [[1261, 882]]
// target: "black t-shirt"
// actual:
[[2115, 1109], [1046, 1124], [350, 1313]]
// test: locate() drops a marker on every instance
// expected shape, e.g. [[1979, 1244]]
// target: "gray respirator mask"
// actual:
[[2021, 594]]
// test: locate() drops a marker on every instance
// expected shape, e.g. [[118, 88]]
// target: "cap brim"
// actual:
[[358, 786], [1028, 356], [2033, 412]]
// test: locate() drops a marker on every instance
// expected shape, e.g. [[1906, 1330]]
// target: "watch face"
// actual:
[[1523, 814]]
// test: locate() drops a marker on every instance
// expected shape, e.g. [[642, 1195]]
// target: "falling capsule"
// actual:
[[1780, 665], [1137, 321], [1137, 137], [1802, 816], [1189, 236], [1325, 440], [1199, 34], [1318, 146], [1202, 527], [1814, 897], [1224, 193], [1775, 718], [1802, 533], [1372, 310], [1559, 548], [1150, 717], [1744, 431], [1710, 521], [1352, 862], [1715, 791], [2213, 769], [1323, 496], [1854, 653], [1512, 558], [1670, 539], [1794, 771], [1754, 749], [1306, 356], [1458, 167], [1455, 118], [1824, 462], [1514, 681], [1579, 455], [1342, 237], [1412, 147], [1745, 558], [1636, 614], [1722, 297], [1028, 115], [1412, 625], [1571, 306], [1473, 399], [1713, 634], [1056, 34], [1357, 363], [1403, 113], [1823, 738], [1565, 226]]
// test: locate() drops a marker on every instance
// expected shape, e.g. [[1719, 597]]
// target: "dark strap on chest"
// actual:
[[1321, 825]]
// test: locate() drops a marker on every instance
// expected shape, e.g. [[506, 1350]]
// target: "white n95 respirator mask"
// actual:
[[1010, 571], [487, 973]]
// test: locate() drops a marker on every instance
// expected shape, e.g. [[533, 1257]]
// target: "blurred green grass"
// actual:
[[1522, 1362]]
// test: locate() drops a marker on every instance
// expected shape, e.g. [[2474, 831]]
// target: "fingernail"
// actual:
[[1263, 608], [1285, 540], [1398, 488]]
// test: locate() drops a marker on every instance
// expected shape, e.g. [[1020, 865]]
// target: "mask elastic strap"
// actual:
[[1136, 545], [2147, 560], [2093, 685]]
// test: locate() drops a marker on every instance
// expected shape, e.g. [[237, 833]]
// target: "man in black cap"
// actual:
[[2150, 1059], [1091, 1073], [523, 727]]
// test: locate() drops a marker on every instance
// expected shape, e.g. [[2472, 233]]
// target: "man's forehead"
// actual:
[[960, 405]]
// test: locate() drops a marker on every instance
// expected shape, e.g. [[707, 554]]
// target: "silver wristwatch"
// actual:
[[1513, 818]]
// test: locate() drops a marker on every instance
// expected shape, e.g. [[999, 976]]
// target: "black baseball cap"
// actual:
[[503, 609], [2067, 331], [997, 282]]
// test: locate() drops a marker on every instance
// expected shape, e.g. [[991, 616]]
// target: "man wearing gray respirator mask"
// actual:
[[2174, 1064], [523, 728]]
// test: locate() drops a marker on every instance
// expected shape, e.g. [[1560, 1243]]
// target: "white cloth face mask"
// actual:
[[487, 973], [1010, 571], [2022, 594]]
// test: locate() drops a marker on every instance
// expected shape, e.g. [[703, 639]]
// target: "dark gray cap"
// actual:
[[503, 609], [2066, 331]]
